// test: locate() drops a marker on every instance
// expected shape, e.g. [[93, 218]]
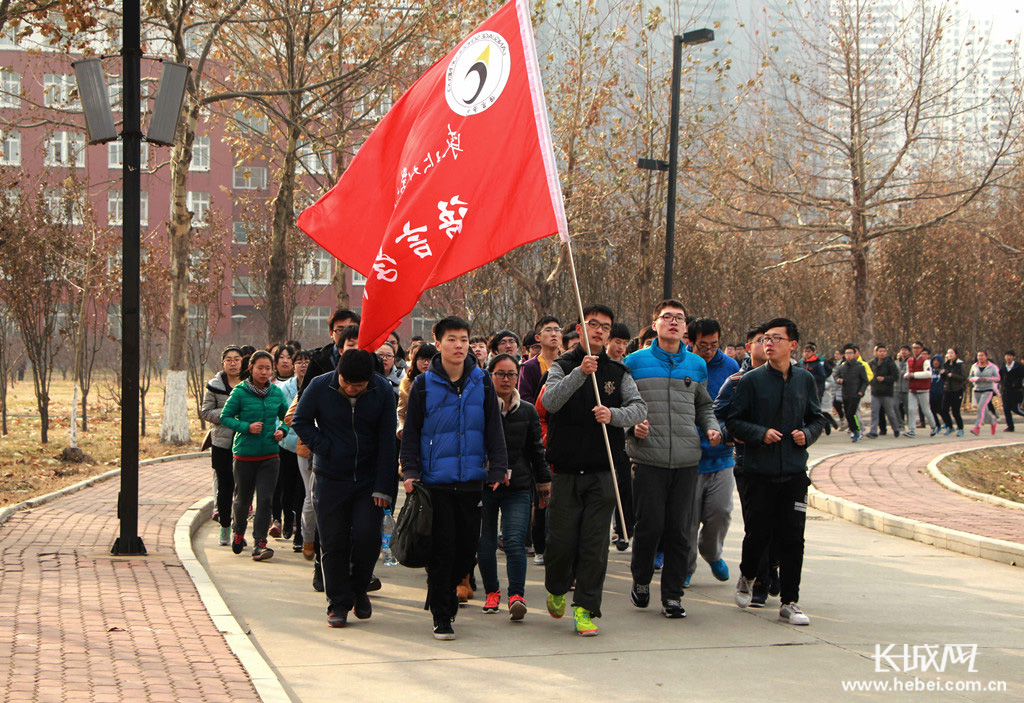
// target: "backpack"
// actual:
[[411, 540]]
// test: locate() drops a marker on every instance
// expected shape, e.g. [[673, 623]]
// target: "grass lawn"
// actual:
[[998, 471], [29, 468]]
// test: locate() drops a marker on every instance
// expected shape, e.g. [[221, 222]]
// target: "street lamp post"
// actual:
[[697, 36]]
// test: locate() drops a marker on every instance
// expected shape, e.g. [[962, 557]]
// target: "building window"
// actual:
[[115, 207], [12, 149], [62, 207], [318, 271], [144, 207], [240, 232], [10, 89], [65, 149], [256, 123], [114, 321], [199, 205], [310, 321], [60, 92], [250, 177], [358, 279], [241, 287], [115, 154], [315, 164], [200, 154]]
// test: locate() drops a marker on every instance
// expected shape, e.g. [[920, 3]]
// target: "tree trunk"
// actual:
[[142, 412], [863, 295], [339, 281], [278, 316], [174, 423]]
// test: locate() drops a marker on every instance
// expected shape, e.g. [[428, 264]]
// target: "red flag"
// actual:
[[460, 171]]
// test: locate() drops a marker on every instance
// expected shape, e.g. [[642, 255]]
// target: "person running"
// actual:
[[452, 441], [287, 492], [854, 382], [954, 381], [348, 419], [985, 377], [775, 414], [883, 402], [1011, 378], [919, 378], [214, 398], [514, 498], [254, 411], [712, 504], [582, 492], [936, 390]]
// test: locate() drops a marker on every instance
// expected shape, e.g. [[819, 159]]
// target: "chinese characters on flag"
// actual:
[[459, 172]]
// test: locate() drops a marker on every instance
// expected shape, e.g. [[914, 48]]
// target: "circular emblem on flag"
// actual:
[[477, 73]]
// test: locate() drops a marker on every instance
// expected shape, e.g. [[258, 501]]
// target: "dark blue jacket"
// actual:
[[453, 434], [350, 442], [721, 407], [712, 459]]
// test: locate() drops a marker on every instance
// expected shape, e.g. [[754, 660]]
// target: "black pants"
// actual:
[[539, 529], [850, 407], [663, 506], [579, 513], [288, 487], [770, 557], [935, 403], [254, 478], [624, 478], [776, 511], [224, 468], [1011, 405], [951, 402], [349, 527], [456, 538]]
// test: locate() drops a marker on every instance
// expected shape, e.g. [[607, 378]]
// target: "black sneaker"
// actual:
[[337, 618], [758, 595], [238, 543], [362, 607], [374, 584], [640, 595], [443, 629], [672, 609], [774, 584], [261, 552], [318, 579], [286, 531]]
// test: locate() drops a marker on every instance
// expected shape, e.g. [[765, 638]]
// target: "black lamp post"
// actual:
[[99, 125], [697, 36]]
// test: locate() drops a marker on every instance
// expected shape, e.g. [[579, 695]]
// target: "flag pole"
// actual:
[[597, 393]]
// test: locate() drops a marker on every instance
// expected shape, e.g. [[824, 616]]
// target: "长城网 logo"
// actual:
[[477, 74]]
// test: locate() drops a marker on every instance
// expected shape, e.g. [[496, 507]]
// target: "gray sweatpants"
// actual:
[[919, 400], [886, 404], [259, 477], [712, 506]]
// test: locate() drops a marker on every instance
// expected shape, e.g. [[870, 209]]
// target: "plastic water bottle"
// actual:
[[386, 528]]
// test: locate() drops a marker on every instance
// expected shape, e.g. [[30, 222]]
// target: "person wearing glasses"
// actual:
[[666, 450], [582, 492], [775, 413], [549, 333], [514, 497], [325, 359], [387, 355]]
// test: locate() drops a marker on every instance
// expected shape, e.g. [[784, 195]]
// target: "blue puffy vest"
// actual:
[[452, 443]]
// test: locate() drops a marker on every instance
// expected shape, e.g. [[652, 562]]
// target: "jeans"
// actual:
[[515, 522], [308, 515], [257, 477]]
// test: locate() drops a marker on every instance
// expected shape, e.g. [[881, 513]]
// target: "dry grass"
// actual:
[[29, 468], [998, 472]]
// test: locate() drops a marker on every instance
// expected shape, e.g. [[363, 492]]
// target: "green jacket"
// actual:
[[245, 407]]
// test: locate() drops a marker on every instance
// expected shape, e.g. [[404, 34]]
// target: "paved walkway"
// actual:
[[896, 481], [79, 625]]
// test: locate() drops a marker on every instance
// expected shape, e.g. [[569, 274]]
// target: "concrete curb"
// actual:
[[268, 685], [926, 533], [31, 503], [936, 473]]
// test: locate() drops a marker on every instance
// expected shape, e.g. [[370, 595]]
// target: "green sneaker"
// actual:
[[581, 618], [556, 605]]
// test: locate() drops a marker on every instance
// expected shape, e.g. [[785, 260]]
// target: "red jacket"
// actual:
[[919, 365]]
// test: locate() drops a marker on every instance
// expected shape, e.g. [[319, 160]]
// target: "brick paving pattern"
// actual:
[[896, 481], [79, 625]]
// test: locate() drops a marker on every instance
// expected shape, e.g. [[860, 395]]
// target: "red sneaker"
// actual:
[[492, 602], [516, 608]]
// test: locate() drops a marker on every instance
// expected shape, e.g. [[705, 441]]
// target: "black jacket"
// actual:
[[765, 400], [1010, 381], [855, 378], [322, 361], [954, 379], [887, 370], [524, 446]]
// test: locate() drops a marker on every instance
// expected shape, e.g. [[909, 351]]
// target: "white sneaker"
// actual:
[[791, 613], [744, 588], [538, 559]]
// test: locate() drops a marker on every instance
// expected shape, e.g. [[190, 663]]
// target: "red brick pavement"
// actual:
[[79, 625], [896, 481]]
